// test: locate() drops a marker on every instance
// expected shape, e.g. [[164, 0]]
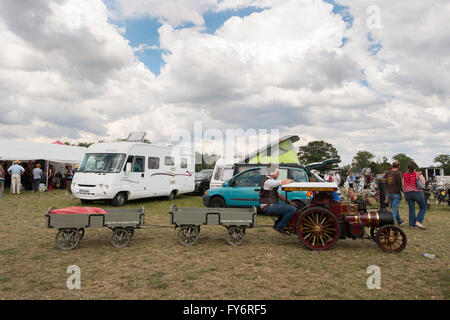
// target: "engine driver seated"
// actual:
[[269, 199], [352, 197]]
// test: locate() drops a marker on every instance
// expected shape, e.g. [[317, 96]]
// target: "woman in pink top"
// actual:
[[413, 194]]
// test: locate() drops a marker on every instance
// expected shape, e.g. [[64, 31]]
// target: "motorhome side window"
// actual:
[[139, 164], [153, 163], [169, 161], [183, 163]]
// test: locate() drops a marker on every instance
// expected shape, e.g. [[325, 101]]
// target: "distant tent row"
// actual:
[[11, 150]]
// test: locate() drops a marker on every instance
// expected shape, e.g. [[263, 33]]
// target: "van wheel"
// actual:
[[299, 204], [119, 200], [217, 202], [172, 195]]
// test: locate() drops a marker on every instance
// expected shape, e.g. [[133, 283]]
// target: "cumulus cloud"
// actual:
[[66, 71]]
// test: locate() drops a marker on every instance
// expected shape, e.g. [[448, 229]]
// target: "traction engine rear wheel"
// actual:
[[318, 229], [391, 239]]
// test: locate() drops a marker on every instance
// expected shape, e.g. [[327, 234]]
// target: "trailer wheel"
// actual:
[[67, 238], [81, 232], [120, 199], [188, 235], [391, 239], [120, 238], [235, 235], [130, 231]]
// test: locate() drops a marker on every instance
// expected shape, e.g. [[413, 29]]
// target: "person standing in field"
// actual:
[[37, 176], [414, 194], [50, 176], [394, 190], [2, 179], [69, 177], [16, 170]]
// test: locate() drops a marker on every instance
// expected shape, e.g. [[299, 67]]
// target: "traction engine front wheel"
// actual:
[[391, 239]]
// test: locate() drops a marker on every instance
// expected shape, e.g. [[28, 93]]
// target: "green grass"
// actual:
[[267, 265]]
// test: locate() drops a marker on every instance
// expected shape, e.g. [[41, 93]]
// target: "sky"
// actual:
[[361, 75]]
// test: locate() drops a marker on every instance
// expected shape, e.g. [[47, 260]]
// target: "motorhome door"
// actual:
[[136, 176]]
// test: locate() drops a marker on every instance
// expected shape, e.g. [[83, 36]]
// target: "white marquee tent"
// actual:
[[22, 150]]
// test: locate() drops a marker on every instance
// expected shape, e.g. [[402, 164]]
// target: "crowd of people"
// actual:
[[409, 185], [33, 177]]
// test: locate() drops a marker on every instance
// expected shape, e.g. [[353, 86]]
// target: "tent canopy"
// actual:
[[21, 150]]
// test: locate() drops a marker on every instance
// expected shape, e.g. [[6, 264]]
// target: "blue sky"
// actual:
[[145, 30]]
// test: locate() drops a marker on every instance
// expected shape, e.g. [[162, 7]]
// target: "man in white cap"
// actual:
[[269, 199], [16, 170]]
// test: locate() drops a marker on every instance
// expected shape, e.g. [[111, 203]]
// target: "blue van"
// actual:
[[242, 190]]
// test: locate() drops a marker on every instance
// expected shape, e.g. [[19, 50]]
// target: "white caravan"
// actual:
[[223, 170], [122, 171]]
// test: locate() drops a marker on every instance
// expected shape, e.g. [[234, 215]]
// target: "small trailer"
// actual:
[[189, 220], [72, 221]]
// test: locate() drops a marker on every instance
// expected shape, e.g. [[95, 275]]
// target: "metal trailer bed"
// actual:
[[71, 225], [236, 220]]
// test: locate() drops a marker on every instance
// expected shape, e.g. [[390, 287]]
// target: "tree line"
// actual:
[[317, 151]]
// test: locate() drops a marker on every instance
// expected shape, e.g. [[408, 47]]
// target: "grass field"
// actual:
[[267, 265]]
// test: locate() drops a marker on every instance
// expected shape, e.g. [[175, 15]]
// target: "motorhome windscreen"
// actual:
[[102, 162]]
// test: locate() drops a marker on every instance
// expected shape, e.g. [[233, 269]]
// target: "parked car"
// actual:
[[202, 181], [242, 190]]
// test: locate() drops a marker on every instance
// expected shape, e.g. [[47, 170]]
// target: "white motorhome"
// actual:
[[122, 171]]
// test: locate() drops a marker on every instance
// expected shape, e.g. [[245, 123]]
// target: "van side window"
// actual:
[[169, 161], [298, 175], [248, 179], [129, 160], [217, 174], [183, 163], [153, 163], [139, 164]]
